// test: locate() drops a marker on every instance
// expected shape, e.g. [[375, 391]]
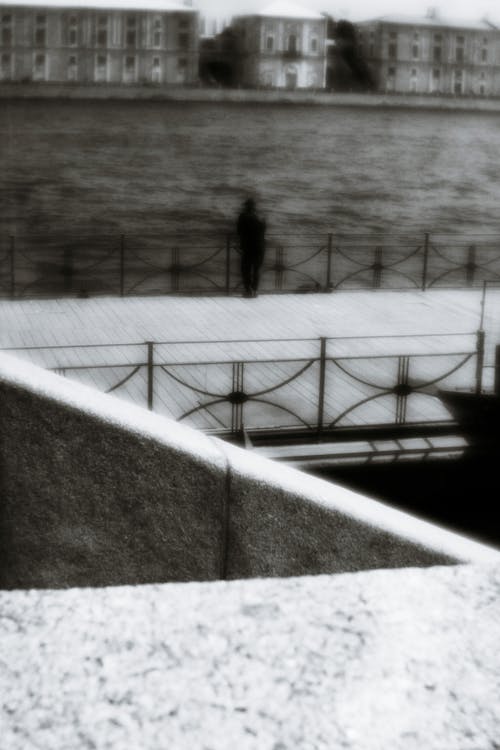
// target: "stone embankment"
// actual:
[[250, 96]]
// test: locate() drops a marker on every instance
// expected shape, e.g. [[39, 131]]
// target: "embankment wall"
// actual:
[[95, 491]]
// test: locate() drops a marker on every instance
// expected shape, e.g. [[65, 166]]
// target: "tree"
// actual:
[[347, 68]]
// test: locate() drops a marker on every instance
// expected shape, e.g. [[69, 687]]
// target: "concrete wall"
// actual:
[[97, 492]]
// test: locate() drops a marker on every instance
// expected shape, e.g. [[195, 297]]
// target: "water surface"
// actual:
[[158, 167]]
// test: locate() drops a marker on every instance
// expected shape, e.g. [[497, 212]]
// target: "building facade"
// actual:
[[432, 55], [283, 46], [102, 42]]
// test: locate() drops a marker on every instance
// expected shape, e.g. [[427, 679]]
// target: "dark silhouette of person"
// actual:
[[251, 232]]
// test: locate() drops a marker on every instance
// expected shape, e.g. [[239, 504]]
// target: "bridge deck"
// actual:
[[179, 388]]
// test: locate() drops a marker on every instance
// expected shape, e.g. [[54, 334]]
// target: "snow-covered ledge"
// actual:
[[98, 492], [378, 660]]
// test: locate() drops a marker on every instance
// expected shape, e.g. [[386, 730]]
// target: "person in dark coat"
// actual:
[[251, 232]]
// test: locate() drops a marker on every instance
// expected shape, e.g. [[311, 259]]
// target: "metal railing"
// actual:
[[322, 385], [32, 266]]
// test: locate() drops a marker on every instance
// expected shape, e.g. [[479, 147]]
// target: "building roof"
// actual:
[[161, 6], [287, 9], [435, 21]]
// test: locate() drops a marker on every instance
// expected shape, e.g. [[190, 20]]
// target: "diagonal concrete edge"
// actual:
[[99, 492]]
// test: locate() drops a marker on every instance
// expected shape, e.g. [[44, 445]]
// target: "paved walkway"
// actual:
[[180, 388]]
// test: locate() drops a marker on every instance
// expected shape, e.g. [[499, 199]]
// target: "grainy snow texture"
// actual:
[[384, 660]]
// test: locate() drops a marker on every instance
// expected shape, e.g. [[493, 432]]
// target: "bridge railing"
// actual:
[[318, 385], [38, 266]]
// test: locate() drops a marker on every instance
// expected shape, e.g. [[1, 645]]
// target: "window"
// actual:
[[6, 65], [414, 51], [130, 63], [101, 68], [481, 90], [39, 68], [269, 44], [393, 51], [413, 72], [131, 34], [40, 30], [292, 43], [182, 62], [484, 55], [393, 35], [184, 23], [102, 31], [459, 49], [436, 54], [157, 33], [73, 31], [183, 41], [156, 70], [72, 68], [458, 82], [391, 72], [314, 44], [436, 74], [6, 30]]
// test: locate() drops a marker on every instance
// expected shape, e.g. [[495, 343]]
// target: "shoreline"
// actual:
[[201, 95]]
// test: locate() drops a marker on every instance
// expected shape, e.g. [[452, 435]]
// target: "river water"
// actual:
[[166, 168]]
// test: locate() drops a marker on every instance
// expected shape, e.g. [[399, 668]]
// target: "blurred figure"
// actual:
[[251, 232]]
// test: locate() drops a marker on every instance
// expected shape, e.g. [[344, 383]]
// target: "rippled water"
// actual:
[[166, 168]]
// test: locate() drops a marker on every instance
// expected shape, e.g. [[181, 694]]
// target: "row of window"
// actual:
[[437, 52], [102, 32], [458, 86], [459, 38], [436, 73], [291, 44], [41, 60]]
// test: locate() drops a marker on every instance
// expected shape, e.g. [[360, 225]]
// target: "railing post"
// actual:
[[12, 258], [321, 386], [228, 265], [479, 360], [471, 265], [122, 265], [497, 371], [150, 365], [68, 269], [377, 268], [328, 285], [425, 262]]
